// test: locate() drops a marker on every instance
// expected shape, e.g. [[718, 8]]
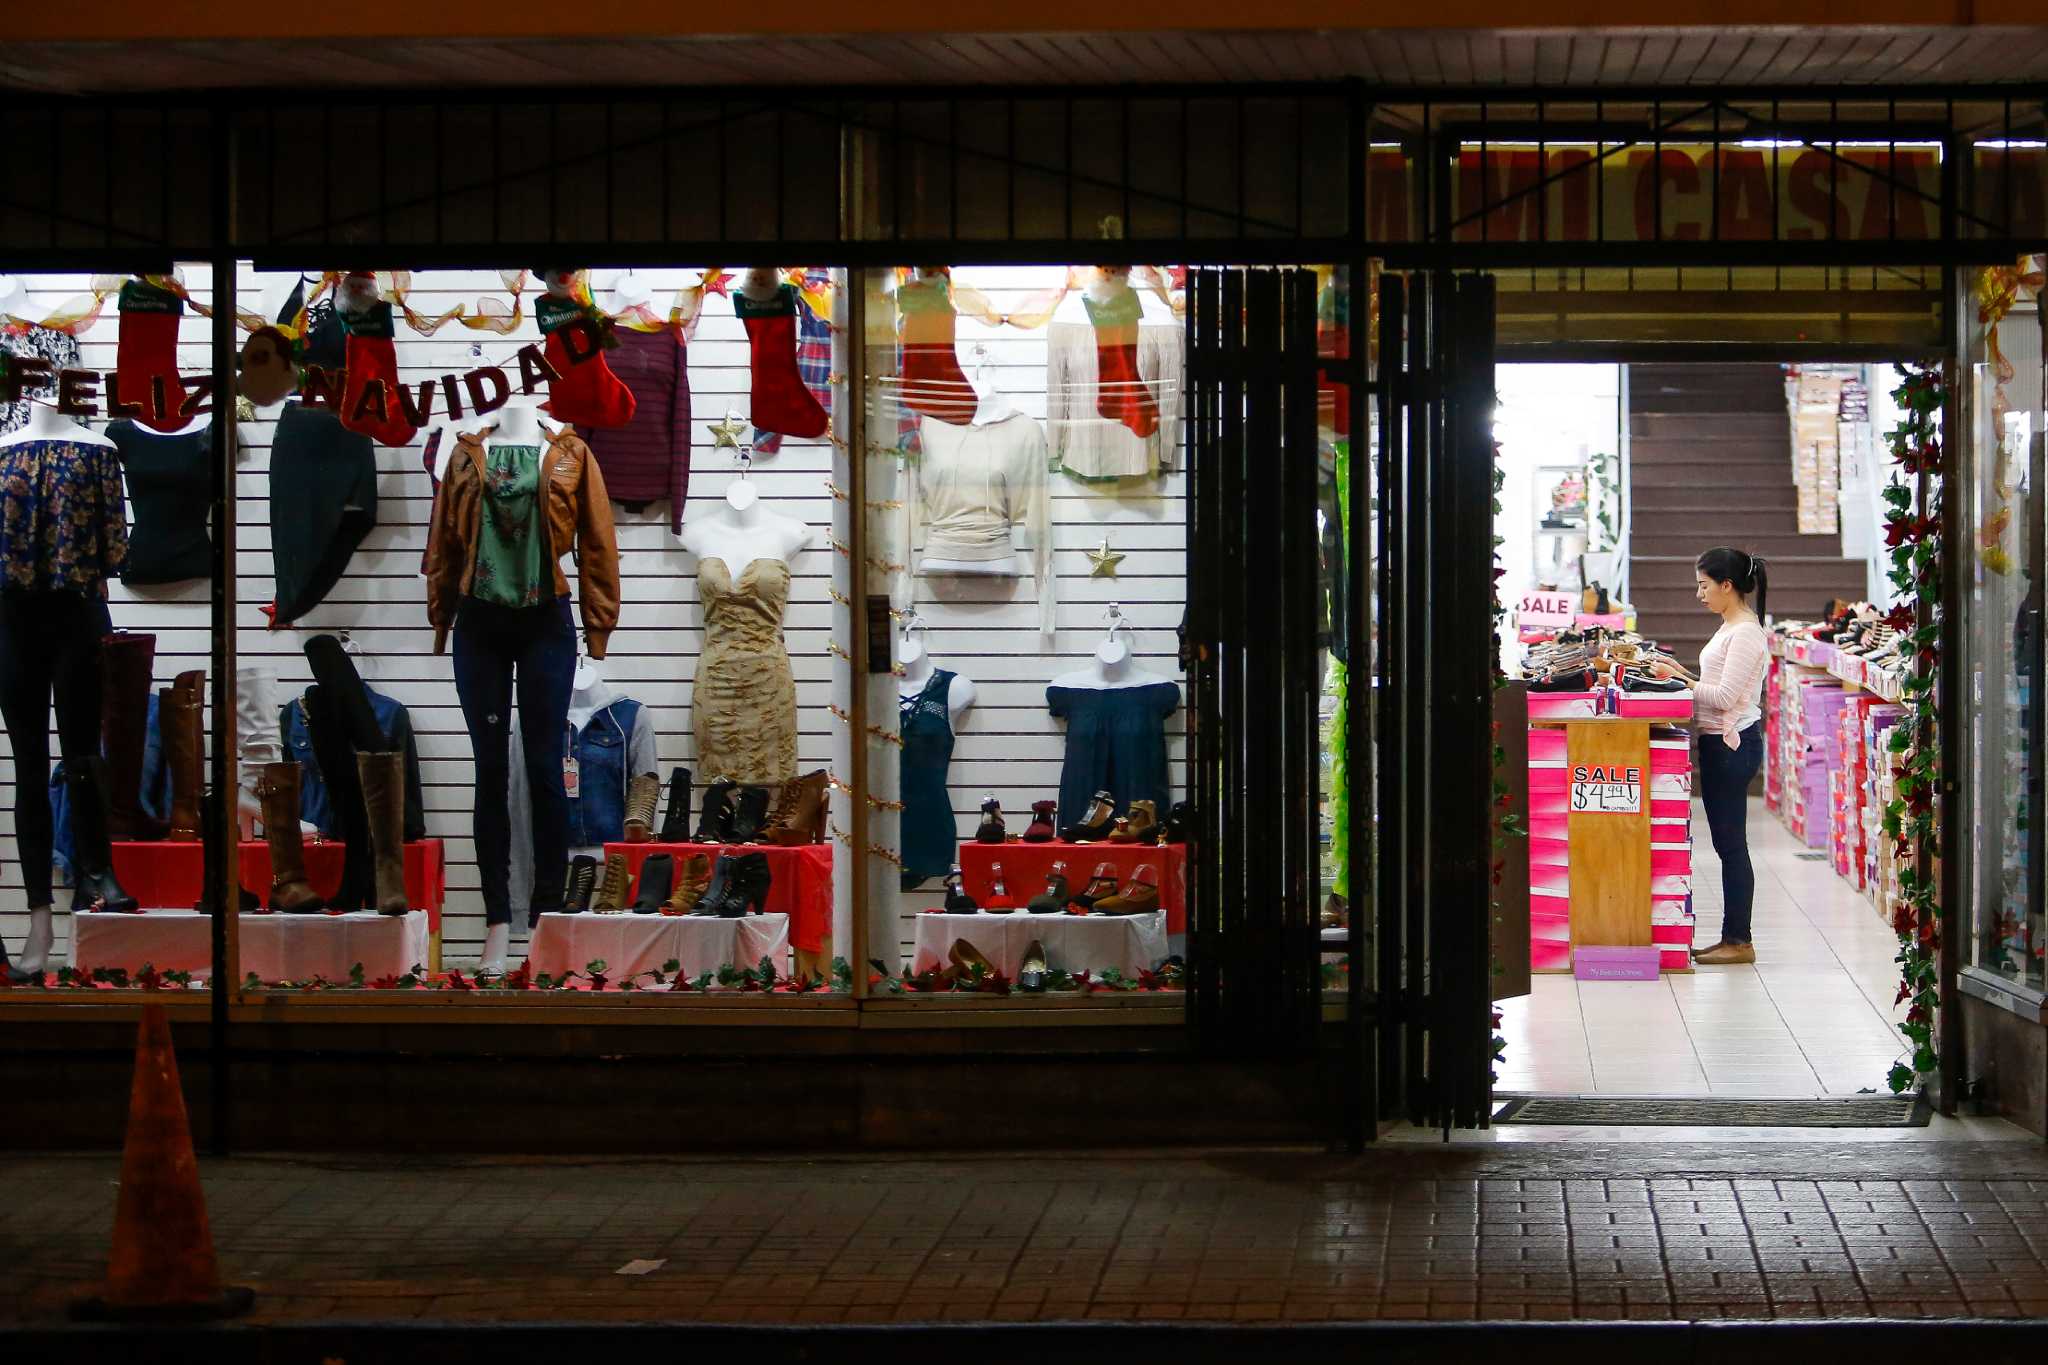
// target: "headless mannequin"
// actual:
[[629, 292], [917, 671], [13, 296], [1111, 667], [45, 423], [991, 406], [738, 530]]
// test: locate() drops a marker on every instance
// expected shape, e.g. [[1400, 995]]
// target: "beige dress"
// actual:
[[744, 701]]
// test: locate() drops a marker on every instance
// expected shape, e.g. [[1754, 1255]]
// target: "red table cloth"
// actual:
[[799, 881], [1026, 866], [170, 875]]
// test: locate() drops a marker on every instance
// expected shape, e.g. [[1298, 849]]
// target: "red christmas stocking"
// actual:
[[369, 398], [780, 401], [1120, 395], [588, 394], [146, 355], [933, 383]]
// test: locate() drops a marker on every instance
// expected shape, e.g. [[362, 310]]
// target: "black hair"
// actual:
[[1741, 570]]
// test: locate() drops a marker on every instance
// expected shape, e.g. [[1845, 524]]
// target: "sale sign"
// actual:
[[1544, 613], [1607, 788]]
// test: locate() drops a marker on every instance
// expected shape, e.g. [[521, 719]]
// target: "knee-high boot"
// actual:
[[180, 711], [127, 668], [289, 889], [383, 781], [337, 760]]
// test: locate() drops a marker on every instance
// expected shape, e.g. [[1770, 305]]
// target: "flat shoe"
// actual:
[[1728, 955]]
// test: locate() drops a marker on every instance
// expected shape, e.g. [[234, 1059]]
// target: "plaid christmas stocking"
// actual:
[[369, 398], [780, 402], [588, 394], [1120, 395], [146, 355]]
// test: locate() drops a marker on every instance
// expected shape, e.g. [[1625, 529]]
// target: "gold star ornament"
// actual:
[[727, 433], [1105, 561]]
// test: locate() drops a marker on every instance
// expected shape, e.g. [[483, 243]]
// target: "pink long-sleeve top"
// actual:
[[1729, 695]]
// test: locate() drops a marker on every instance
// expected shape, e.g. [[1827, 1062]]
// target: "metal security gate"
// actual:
[[1253, 940], [1434, 679]]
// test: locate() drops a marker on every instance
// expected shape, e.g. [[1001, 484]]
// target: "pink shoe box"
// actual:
[[1547, 777], [1671, 910], [1679, 935], [1675, 884], [1549, 800], [1670, 831], [1550, 825], [1546, 741], [1670, 860], [1550, 905], [1654, 705], [1605, 620], [1671, 807], [1550, 928], [1563, 705], [1546, 955], [1550, 852], [1594, 963], [1552, 880], [1675, 959], [1668, 760], [1669, 787]]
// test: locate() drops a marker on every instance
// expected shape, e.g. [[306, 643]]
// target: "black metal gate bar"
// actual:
[[1300, 939], [1417, 536], [1203, 715], [1382, 679]]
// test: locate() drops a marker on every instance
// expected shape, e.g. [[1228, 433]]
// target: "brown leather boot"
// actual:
[[290, 892], [1140, 825], [613, 886], [643, 793], [179, 712], [692, 880], [383, 779], [127, 667], [801, 805], [1727, 955]]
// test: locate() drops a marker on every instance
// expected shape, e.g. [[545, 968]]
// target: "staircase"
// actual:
[[1710, 463]]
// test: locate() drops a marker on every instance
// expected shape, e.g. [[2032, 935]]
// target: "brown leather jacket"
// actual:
[[579, 518]]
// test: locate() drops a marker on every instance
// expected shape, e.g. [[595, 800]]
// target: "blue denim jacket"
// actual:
[[615, 745], [314, 808]]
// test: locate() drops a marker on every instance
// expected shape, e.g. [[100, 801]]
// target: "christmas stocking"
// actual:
[[1120, 395], [588, 394], [933, 383], [147, 355], [780, 401], [369, 398]]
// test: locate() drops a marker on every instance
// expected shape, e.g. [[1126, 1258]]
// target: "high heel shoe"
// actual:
[[1140, 825], [750, 808], [691, 884], [746, 890], [643, 793], [582, 883], [675, 821], [657, 879], [958, 902], [1032, 970], [1041, 830], [714, 820], [998, 901], [1140, 898], [1054, 899], [612, 888], [1101, 818], [969, 966], [715, 889], [1101, 886], [992, 830]]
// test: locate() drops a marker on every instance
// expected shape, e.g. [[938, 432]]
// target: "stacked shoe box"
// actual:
[[1774, 731], [1671, 914], [1550, 928], [1813, 747], [1880, 874]]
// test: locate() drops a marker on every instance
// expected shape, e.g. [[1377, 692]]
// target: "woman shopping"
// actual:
[[1728, 714]]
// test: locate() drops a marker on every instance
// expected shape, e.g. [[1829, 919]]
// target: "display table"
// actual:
[[1026, 866], [799, 881], [629, 944], [273, 947], [169, 875], [1073, 943]]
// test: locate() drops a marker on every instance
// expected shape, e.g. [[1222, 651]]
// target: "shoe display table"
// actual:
[[799, 882], [274, 947], [170, 876], [628, 944], [1073, 943], [1026, 866]]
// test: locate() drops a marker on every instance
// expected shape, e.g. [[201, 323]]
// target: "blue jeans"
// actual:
[[537, 645], [1725, 775]]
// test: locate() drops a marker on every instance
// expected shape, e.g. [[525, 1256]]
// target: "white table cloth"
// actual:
[[630, 944], [1073, 943], [274, 947]]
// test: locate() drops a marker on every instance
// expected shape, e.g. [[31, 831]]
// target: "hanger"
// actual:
[[1110, 651]]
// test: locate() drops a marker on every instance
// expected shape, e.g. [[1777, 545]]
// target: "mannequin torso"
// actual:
[[739, 530], [45, 423], [917, 674], [1112, 667]]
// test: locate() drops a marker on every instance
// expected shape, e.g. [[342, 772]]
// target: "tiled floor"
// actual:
[[1587, 1231], [1814, 1016]]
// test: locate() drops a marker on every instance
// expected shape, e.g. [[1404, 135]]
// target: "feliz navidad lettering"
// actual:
[[487, 388]]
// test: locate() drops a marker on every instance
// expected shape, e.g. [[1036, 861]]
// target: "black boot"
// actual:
[[582, 881], [749, 809], [675, 821], [348, 699], [336, 758], [714, 821], [721, 882], [746, 887], [657, 879], [92, 854]]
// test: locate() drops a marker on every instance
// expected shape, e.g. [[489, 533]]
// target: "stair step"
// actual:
[[1706, 534], [1717, 418], [1721, 450], [1656, 523], [1760, 479]]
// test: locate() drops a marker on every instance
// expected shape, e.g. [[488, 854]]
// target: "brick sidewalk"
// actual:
[[1665, 1231]]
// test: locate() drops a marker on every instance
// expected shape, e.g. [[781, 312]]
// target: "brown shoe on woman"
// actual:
[[1727, 955]]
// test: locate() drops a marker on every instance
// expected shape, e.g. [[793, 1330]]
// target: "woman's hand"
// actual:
[[1660, 669], [1731, 739]]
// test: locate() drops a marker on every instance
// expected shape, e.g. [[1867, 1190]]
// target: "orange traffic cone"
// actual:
[[162, 1266]]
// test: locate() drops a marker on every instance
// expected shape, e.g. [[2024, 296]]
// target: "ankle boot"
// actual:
[[749, 809], [643, 791], [715, 888], [746, 888], [611, 889], [1100, 820], [1139, 826], [178, 715], [675, 821], [657, 879], [992, 829], [1176, 831], [582, 882], [714, 822], [92, 854], [383, 779], [127, 668], [1041, 830], [799, 813], [692, 881], [290, 892]]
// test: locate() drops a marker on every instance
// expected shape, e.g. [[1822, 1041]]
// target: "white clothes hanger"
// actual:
[[1112, 652], [365, 667]]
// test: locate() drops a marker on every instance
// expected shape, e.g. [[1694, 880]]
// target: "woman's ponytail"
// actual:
[[1759, 574]]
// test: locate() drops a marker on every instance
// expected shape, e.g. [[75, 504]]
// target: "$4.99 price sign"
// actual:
[[1607, 788]]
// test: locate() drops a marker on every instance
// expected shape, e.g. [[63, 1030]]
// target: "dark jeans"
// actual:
[[49, 647], [538, 645], [1725, 775]]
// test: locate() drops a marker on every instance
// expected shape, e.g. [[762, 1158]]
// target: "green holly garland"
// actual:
[[1506, 824], [1913, 536]]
